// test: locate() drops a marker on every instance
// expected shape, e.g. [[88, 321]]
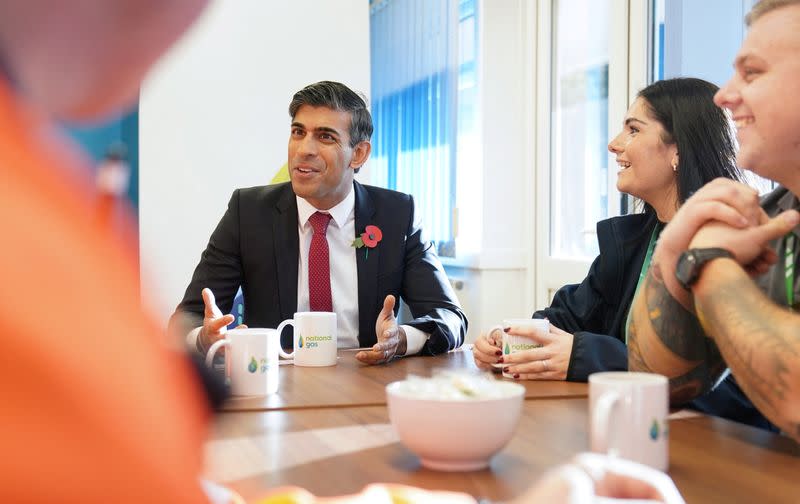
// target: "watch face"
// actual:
[[685, 269]]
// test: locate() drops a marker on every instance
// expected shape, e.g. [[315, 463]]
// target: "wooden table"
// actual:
[[335, 451], [351, 383]]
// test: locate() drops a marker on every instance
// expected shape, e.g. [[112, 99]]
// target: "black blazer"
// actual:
[[595, 311], [256, 246]]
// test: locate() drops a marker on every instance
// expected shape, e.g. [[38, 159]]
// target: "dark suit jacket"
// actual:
[[256, 246]]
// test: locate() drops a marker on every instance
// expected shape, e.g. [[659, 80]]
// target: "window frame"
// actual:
[[627, 73]]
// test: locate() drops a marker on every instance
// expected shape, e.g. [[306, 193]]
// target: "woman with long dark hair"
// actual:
[[673, 141]]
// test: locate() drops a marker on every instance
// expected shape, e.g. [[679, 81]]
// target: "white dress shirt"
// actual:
[[344, 272]]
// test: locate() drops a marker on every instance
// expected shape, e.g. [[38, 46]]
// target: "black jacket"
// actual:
[[595, 310]]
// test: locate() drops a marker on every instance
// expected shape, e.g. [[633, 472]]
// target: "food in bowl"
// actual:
[[455, 421]]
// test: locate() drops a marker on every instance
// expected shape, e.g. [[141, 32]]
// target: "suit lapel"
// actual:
[[287, 251], [367, 265]]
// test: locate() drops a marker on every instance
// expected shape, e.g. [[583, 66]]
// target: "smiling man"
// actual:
[[723, 274], [293, 247]]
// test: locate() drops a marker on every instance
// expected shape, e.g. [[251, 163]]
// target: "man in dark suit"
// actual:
[[325, 243]]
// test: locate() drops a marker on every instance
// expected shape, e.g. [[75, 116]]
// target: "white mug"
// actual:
[[512, 343], [628, 416], [314, 342], [251, 360]]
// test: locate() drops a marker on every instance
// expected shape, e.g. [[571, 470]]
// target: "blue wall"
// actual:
[[96, 139]]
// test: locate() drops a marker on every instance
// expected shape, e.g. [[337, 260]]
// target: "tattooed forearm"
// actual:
[[760, 341], [684, 387], [695, 382], [635, 360], [665, 338], [677, 328]]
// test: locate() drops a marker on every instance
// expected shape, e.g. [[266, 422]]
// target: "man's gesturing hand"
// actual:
[[391, 337], [214, 323]]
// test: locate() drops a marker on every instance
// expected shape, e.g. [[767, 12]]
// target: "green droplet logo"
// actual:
[[253, 366], [300, 342], [506, 349], [654, 430]]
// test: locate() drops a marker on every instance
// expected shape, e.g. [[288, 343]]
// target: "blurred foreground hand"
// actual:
[[593, 478]]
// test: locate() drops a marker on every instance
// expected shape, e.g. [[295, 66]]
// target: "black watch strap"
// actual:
[[691, 262]]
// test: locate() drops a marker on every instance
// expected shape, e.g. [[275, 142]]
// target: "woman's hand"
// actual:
[[548, 362], [488, 349]]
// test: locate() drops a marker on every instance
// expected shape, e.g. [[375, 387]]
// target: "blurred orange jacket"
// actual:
[[95, 406]]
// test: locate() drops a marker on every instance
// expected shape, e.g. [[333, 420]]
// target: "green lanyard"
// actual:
[[645, 266], [788, 269]]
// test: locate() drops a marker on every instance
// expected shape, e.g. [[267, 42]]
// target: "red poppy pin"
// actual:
[[369, 238]]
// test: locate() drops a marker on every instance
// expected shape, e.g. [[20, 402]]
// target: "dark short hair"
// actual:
[[764, 6], [337, 96], [702, 132]]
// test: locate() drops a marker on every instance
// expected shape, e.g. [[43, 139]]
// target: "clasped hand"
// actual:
[[724, 214], [749, 246]]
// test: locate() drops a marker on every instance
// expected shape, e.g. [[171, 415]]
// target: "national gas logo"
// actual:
[[518, 347], [312, 341], [524, 346]]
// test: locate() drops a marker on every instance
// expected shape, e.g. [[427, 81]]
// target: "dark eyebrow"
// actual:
[[321, 129], [633, 119], [325, 129]]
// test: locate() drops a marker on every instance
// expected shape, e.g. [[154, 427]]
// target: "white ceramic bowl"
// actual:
[[455, 434]]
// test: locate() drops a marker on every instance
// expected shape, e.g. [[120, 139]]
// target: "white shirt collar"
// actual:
[[339, 213]]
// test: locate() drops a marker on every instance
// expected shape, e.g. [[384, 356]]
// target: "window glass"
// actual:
[[424, 88], [579, 118]]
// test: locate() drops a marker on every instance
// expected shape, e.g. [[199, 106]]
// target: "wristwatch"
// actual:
[[691, 263]]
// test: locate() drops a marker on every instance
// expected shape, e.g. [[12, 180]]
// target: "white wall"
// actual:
[[213, 117]]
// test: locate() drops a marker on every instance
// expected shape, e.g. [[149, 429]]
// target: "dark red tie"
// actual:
[[319, 265]]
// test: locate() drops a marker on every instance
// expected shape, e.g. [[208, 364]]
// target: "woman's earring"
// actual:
[[675, 167]]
